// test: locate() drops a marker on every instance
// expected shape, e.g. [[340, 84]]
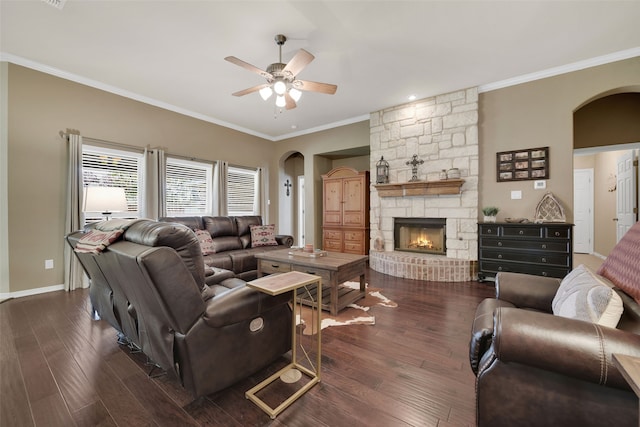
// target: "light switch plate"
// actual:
[[516, 194]]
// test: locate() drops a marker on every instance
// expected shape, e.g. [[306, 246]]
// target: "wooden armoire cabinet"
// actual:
[[345, 211]]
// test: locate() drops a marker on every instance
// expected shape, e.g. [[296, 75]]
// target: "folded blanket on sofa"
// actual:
[[104, 234]]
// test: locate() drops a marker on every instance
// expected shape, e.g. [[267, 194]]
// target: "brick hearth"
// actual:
[[417, 266]]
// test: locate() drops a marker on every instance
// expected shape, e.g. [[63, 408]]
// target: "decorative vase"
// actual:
[[453, 173], [489, 218]]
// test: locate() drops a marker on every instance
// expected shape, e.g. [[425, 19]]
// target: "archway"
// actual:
[[291, 196]]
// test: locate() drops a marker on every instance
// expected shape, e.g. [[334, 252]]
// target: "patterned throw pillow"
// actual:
[[584, 295], [206, 243], [263, 235]]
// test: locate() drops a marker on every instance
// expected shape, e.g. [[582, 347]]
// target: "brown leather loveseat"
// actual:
[[231, 242], [534, 368], [149, 284]]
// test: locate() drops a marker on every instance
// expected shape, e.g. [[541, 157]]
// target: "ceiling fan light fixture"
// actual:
[[280, 101], [279, 87], [295, 94], [266, 92]]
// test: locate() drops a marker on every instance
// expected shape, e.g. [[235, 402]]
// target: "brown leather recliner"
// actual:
[[150, 286], [536, 369]]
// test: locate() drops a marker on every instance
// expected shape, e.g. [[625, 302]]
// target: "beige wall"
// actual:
[[39, 106], [538, 114], [312, 147]]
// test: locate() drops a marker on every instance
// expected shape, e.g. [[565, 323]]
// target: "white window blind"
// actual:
[[242, 191], [188, 187], [107, 167]]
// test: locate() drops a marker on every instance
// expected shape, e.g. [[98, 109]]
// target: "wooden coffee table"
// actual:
[[334, 268]]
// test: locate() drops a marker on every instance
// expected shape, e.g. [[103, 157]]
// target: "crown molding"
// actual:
[[563, 69]]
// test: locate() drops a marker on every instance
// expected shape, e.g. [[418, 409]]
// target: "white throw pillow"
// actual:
[[585, 295]]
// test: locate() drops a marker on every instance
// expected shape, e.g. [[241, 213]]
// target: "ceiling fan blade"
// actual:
[[300, 60], [248, 66], [291, 103], [249, 90], [327, 88]]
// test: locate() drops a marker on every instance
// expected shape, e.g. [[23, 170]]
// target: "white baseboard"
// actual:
[[36, 291]]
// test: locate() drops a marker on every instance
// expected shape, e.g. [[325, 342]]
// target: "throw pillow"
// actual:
[[584, 295], [263, 235], [206, 242]]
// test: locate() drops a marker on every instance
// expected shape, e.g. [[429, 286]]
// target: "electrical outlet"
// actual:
[[48, 264]]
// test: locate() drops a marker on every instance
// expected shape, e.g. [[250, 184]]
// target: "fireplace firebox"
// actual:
[[425, 235]]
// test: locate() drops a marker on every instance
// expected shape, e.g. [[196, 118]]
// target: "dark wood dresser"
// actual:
[[541, 249]]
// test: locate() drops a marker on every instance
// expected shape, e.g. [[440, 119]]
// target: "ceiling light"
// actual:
[[266, 92], [279, 87], [412, 97], [295, 94], [280, 101]]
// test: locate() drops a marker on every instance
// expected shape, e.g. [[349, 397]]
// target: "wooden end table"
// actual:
[[293, 282], [334, 268]]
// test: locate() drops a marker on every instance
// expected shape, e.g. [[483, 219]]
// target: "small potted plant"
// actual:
[[490, 213]]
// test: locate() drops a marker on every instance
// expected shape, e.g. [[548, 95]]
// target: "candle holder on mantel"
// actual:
[[414, 167]]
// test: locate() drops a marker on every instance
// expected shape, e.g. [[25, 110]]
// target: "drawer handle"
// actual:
[[557, 234], [499, 268], [544, 260], [499, 243], [521, 232], [489, 231], [544, 273], [275, 265], [499, 256], [544, 246], [311, 272]]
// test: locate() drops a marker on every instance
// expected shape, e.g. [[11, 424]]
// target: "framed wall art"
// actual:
[[521, 165]]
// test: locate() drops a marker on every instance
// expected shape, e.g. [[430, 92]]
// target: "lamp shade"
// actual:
[[104, 199]]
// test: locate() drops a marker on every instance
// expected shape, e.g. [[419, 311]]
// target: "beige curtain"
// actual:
[[261, 196], [73, 272], [154, 205], [220, 188]]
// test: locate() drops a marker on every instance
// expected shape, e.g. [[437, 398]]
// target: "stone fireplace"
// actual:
[[443, 132], [420, 235]]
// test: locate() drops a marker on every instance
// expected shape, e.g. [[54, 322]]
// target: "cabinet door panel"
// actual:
[[332, 202], [353, 198]]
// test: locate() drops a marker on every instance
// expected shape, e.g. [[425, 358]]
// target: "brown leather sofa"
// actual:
[[150, 286], [536, 369], [231, 237]]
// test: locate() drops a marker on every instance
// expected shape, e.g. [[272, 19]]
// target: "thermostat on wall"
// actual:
[[540, 184]]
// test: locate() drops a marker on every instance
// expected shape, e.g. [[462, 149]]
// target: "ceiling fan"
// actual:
[[281, 78]]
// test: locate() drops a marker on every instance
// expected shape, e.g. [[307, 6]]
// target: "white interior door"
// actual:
[[583, 211], [625, 194], [300, 211]]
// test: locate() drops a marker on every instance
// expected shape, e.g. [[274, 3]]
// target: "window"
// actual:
[[188, 187], [108, 167], [242, 191]]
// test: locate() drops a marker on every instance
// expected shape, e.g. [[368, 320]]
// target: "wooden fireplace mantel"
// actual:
[[420, 188]]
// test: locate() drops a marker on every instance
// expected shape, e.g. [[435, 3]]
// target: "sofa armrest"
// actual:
[[284, 239], [239, 304], [527, 290], [482, 330], [570, 347]]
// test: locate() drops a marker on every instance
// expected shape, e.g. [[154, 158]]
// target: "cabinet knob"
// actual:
[[489, 231], [499, 256], [544, 260], [521, 232], [544, 246], [544, 273], [499, 243], [499, 268], [557, 234]]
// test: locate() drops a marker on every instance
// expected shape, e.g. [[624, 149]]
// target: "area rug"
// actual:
[[357, 313]]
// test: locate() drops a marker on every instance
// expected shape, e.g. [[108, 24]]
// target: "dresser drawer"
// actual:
[[271, 267], [332, 245], [354, 236], [537, 258], [522, 231], [353, 219], [333, 234], [490, 230], [353, 247], [558, 232], [534, 245], [538, 270]]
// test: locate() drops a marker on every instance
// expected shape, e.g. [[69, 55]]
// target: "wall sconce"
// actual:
[[382, 171], [105, 200], [287, 185]]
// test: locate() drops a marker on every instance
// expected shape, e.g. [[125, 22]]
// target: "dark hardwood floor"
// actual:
[[58, 367]]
